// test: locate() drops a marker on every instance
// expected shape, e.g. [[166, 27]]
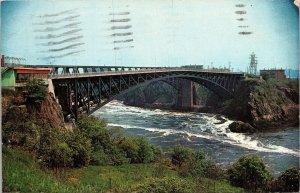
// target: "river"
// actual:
[[279, 149]]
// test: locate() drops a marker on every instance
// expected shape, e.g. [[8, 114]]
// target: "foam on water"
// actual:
[[209, 128]]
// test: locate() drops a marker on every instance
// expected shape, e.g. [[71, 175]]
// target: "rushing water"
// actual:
[[279, 149]]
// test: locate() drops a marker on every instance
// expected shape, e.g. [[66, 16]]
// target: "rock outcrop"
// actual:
[[49, 110], [264, 104], [155, 95], [241, 127]]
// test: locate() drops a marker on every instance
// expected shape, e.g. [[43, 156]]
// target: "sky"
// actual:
[[152, 33]]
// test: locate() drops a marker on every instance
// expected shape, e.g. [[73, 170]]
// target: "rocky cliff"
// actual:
[[156, 94], [48, 110], [163, 95], [265, 104]]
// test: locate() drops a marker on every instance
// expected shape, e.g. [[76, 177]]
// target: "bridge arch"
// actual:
[[88, 94], [213, 86]]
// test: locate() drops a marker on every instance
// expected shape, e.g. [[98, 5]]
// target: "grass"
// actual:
[[22, 173]]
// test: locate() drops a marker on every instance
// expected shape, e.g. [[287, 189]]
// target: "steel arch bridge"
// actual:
[[87, 92]]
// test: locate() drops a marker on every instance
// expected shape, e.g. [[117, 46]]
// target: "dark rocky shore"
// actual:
[[257, 105]]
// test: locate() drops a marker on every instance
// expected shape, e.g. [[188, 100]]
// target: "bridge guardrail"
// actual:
[[123, 72]]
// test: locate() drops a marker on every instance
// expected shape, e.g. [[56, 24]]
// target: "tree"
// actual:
[[249, 172], [289, 180], [36, 91], [180, 154]]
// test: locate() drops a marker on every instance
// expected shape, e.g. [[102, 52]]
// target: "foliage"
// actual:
[[111, 147], [82, 149], [36, 91], [214, 171], [289, 180], [265, 75], [166, 185], [7, 91], [249, 172], [189, 162], [180, 154], [90, 126], [21, 173], [20, 128]]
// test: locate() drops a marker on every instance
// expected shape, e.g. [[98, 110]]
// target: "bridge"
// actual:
[[87, 88]]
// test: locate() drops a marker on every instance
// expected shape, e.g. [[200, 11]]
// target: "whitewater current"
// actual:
[[209, 131]]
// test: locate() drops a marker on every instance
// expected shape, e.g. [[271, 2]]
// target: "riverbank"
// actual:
[[265, 105], [258, 105], [22, 173]]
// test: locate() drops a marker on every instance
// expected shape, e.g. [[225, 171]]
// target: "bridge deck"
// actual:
[[116, 73]]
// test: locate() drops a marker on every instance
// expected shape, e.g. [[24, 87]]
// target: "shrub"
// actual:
[[117, 156], [36, 91], [166, 185], [249, 172], [99, 157], [60, 155], [139, 150], [265, 76], [214, 171], [189, 162], [95, 129], [82, 149], [289, 180], [196, 166], [19, 128], [180, 155], [90, 126], [48, 152]]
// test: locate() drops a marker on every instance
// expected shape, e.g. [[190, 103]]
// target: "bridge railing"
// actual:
[[123, 72]]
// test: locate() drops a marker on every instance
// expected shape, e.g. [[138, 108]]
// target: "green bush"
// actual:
[[82, 149], [60, 155], [90, 126], [36, 91], [194, 167], [99, 157], [288, 181], [249, 172], [139, 150], [117, 156], [265, 76], [180, 155], [51, 147], [189, 162], [166, 185], [214, 171], [20, 129]]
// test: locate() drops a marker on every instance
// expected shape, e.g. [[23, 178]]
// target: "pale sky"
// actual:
[[154, 33]]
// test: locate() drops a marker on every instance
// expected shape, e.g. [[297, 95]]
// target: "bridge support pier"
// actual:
[[185, 94]]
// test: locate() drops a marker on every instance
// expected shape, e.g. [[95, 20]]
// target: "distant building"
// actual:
[[196, 67], [274, 73], [19, 76]]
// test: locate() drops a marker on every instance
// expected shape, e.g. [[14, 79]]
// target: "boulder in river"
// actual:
[[241, 127]]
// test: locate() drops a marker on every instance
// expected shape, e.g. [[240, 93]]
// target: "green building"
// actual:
[[12, 77], [8, 77]]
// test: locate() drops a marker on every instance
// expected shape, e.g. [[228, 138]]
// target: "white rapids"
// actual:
[[191, 125]]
